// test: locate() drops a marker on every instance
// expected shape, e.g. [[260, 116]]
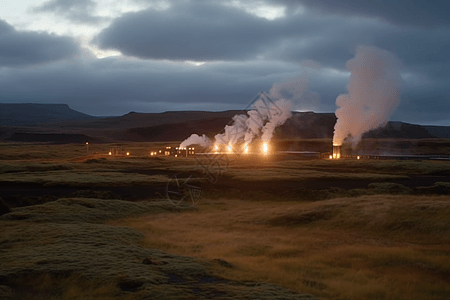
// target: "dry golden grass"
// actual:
[[83, 178], [372, 247], [300, 174], [36, 151], [69, 165], [368, 247], [61, 250], [393, 167], [67, 288]]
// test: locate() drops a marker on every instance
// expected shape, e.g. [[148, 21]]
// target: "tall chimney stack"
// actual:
[[337, 151]]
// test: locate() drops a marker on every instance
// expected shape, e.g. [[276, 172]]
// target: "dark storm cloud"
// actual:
[[416, 13], [116, 86], [78, 11], [21, 48], [200, 31], [209, 31], [213, 32], [420, 49], [248, 54]]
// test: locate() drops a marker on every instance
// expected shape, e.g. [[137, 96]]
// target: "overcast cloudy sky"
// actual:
[[111, 57]]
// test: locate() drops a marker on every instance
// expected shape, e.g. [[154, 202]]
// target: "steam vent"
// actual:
[[337, 151]]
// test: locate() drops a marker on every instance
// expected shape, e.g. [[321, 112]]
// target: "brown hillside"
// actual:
[[175, 132], [138, 120], [178, 125]]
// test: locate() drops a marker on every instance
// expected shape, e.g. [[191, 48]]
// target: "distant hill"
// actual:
[[176, 131], [175, 126], [55, 138], [400, 130], [439, 131], [30, 114], [139, 120], [302, 125]]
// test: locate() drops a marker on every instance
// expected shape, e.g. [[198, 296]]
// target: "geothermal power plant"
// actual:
[[258, 150], [373, 94]]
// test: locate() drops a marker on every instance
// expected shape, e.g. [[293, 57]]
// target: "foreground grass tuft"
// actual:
[[75, 210], [386, 215]]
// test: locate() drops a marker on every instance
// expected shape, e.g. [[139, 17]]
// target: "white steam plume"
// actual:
[[234, 132], [264, 115], [373, 94], [203, 141], [278, 117], [261, 121], [295, 90], [254, 123]]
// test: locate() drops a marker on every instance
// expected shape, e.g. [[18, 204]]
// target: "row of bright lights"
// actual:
[[265, 148], [337, 156], [110, 153], [179, 148]]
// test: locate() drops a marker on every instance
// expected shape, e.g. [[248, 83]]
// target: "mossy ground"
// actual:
[[62, 250], [342, 229]]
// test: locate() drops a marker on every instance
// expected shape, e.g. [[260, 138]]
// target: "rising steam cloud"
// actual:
[[265, 115], [195, 139], [373, 94], [258, 122], [295, 90]]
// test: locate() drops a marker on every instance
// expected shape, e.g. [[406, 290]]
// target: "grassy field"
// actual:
[[370, 247], [267, 228]]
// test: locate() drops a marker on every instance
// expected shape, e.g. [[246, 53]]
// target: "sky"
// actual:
[[108, 58]]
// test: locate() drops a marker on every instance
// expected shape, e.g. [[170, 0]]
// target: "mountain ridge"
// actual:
[[65, 125], [30, 114]]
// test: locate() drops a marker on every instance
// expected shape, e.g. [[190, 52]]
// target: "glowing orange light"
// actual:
[[128, 153], [331, 156], [229, 148], [109, 153], [358, 157], [246, 148], [265, 148]]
